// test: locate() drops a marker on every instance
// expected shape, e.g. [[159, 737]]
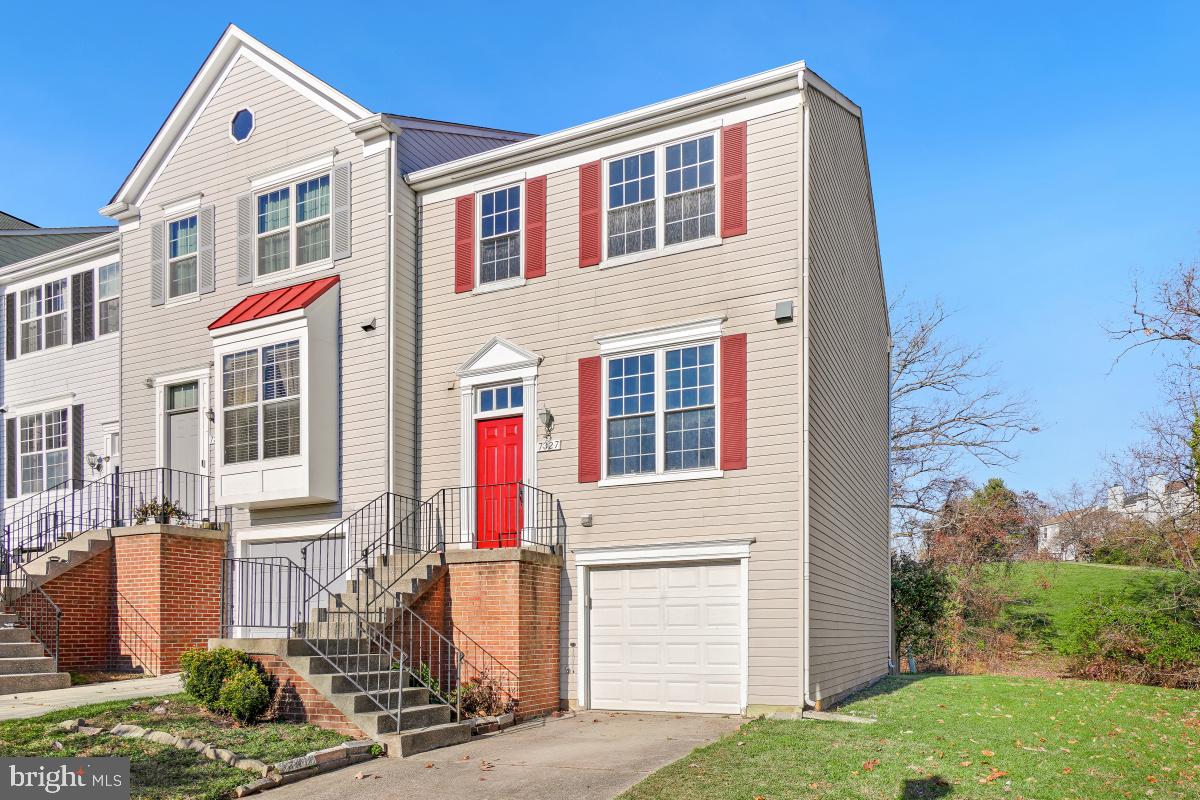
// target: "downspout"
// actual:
[[391, 315], [805, 258]]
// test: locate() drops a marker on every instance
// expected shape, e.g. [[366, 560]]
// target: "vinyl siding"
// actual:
[[162, 340], [559, 316], [848, 426], [405, 377]]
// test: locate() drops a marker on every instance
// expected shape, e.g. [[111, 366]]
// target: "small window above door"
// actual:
[[500, 399]]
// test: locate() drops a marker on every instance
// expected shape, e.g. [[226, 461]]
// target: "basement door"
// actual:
[[667, 638], [498, 446]]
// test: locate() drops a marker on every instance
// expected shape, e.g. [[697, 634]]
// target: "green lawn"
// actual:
[[160, 772], [1048, 593], [959, 737]]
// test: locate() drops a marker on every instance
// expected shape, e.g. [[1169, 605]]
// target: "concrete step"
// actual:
[[20, 650], [9, 619], [34, 682], [413, 696], [351, 664], [15, 635], [26, 665], [381, 681], [408, 743], [411, 719]]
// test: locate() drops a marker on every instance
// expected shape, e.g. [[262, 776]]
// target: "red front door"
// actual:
[[498, 478]]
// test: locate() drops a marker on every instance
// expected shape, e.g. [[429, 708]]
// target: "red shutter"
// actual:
[[589, 419], [733, 401], [590, 203], [733, 180], [464, 243], [535, 227]]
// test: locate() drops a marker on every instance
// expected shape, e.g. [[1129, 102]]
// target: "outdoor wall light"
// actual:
[[94, 461], [547, 420], [212, 416]]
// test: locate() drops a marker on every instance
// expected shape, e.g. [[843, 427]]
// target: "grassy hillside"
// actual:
[[1048, 593]]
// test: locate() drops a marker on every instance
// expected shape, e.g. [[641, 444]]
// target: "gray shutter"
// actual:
[[83, 307], [158, 264], [245, 242], [77, 445], [208, 259], [10, 456], [10, 326], [341, 211]]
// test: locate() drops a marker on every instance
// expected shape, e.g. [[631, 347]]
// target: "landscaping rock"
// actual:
[[252, 765], [86, 730], [298, 775], [129, 731], [184, 743], [209, 752], [197, 746], [161, 737], [358, 746], [254, 787], [329, 754], [160, 710], [226, 756], [71, 725], [295, 764]]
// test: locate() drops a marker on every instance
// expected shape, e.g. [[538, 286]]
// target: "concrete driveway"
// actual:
[[590, 755]]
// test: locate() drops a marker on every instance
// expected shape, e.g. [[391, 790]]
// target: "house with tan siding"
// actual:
[[596, 417]]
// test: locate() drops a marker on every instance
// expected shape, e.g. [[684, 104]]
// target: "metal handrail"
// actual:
[[33, 608]]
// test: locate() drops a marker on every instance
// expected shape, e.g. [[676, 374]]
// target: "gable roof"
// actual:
[[19, 244], [10, 223], [234, 43], [276, 301]]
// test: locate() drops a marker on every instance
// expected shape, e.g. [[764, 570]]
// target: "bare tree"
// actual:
[[946, 412]]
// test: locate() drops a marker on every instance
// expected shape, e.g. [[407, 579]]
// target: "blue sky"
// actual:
[[1028, 159]]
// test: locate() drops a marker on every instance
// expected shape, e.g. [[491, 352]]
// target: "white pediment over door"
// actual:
[[498, 360]]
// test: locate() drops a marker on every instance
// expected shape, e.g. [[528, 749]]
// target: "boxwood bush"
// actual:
[[225, 681]]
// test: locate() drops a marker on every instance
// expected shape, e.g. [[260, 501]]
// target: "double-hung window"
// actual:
[[44, 316], [181, 257], [292, 226], [44, 454], [108, 296], [500, 235], [648, 212], [661, 410], [261, 402]]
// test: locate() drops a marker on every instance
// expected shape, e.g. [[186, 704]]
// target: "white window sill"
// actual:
[[182, 300], [498, 286], [645, 255], [290, 274], [33, 354], [665, 477]]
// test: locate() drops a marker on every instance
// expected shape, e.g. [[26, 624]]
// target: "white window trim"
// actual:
[[661, 248], [282, 181], [68, 299], [507, 283], [258, 345], [649, 555], [42, 410], [201, 378], [187, 296], [99, 300], [658, 340], [253, 125]]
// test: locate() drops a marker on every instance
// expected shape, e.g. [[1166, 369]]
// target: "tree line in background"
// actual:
[[953, 539]]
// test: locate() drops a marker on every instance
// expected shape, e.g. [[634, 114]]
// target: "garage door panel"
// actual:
[[667, 638]]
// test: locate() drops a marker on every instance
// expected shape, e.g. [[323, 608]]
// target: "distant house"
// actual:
[[1059, 536], [21, 240]]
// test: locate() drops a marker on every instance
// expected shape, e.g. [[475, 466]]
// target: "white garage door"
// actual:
[[667, 638]]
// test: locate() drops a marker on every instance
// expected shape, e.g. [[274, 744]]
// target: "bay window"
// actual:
[[661, 410], [43, 450], [270, 394], [292, 226]]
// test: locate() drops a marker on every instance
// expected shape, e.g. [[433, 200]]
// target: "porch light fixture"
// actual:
[[547, 420], [93, 461]]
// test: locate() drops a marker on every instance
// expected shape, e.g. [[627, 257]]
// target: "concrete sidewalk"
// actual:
[[594, 755], [32, 704]]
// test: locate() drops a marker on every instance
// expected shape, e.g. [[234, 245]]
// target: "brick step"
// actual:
[[25, 665], [34, 682], [21, 650]]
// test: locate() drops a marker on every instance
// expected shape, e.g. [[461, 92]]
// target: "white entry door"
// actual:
[[667, 638]]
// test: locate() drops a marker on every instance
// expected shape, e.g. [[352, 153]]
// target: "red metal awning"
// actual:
[[276, 301]]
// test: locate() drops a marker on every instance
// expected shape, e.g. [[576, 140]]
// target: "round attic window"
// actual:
[[242, 125]]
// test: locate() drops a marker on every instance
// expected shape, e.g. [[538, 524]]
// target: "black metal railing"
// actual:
[[35, 525], [39, 613], [497, 515]]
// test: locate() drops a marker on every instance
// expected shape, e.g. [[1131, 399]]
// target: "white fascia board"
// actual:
[[292, 171], [105, 247], [763, 84], [234, 43], [725, 549], [252, 329], [43, 404]]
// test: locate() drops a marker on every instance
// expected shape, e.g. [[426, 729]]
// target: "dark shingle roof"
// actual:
[[18, 244], [10, 223]]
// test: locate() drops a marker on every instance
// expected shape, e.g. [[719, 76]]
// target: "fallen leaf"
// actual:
[[1066, 770], [871, 763], [964, 763], [996, 773], [486, 765], [1152, 778], [358, 776], [428, 765], [986, 753]]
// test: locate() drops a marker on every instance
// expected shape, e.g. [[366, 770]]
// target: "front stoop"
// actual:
[[68, 553], [423, 725], [24, 666]]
